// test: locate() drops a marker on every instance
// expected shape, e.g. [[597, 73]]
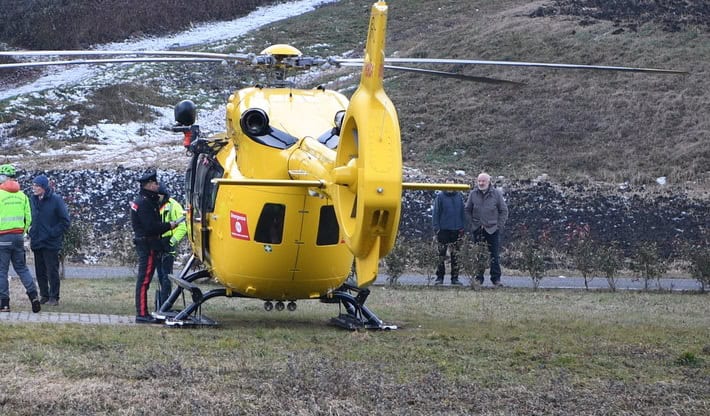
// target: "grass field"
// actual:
[[457, 352]]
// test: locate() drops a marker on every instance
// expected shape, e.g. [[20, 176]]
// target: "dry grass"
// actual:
[[458, 352]]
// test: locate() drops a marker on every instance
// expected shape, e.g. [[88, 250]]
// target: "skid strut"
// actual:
[[353, 312], [192, 313], [356, 315]]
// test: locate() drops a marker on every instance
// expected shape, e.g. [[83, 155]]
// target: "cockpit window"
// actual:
[[330, 138], [275, 138]]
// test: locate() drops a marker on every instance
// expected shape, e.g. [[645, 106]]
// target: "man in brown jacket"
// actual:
[[488, 213]]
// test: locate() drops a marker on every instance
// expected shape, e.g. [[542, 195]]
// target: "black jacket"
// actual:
[[145, 217], [50, 220]]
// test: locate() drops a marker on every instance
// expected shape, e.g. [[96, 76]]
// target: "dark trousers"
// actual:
[[12, 251], [147, 263], [164, 269], [493, 243], [448, 239], [47, 271]]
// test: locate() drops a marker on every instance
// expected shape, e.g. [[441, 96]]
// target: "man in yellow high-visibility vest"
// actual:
[[15, 221], [170, 210]]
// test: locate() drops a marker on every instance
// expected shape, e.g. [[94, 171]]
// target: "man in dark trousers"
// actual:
[[488, 213], [448, 221], [15, 220], [147, 229], [50, 220]]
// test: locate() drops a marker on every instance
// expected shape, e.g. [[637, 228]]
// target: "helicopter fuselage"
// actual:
[[271, 242]]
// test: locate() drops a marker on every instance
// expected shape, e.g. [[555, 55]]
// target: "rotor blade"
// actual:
[[105, 61], [486, 80], [510, 63], [127, 53]]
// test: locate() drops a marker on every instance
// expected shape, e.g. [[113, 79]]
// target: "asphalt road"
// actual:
[[565, 282], [548, 282]]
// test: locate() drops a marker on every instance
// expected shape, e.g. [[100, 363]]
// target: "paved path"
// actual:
[[559, 282], [66, 318]]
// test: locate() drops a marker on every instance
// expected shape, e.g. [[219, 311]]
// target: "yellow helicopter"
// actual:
[[302, 184]]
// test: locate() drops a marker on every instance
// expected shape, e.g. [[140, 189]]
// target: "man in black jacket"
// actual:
[[147, 229], [50, 220], [448, 221]]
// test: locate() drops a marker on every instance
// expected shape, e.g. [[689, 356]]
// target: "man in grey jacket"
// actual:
[[488, 213]]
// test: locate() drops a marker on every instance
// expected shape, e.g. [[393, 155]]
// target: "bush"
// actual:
[[611, 260], [474, 259], [648, 262], [426, 257], [73, 240], [698, 263], [582, 250], [396, 262], [529, 255]]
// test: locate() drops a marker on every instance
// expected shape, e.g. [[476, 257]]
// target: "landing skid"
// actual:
[[190, 315], [356, 315]]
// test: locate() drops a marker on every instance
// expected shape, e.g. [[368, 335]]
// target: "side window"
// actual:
[[215, 171], [270, 227], [328, 230]]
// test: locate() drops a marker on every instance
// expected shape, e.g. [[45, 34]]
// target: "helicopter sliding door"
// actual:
[[201, 197]]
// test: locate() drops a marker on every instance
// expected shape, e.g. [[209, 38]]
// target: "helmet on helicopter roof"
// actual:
[[8, 170]]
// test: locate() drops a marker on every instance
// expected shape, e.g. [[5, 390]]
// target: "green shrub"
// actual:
[[474, 259], [698, 263], [529, 255], [426, 257], [74, 239], [396, 262], [611, 260], [648, 262], [688, 359], [584, 253]]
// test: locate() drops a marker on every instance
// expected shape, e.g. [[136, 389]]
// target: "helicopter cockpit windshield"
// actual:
[[331, 138], [275, 138]]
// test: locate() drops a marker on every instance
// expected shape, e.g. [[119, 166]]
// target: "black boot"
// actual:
[[4, 305], [34, 299]]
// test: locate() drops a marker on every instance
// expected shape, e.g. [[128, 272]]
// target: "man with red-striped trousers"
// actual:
[[147, 229]]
